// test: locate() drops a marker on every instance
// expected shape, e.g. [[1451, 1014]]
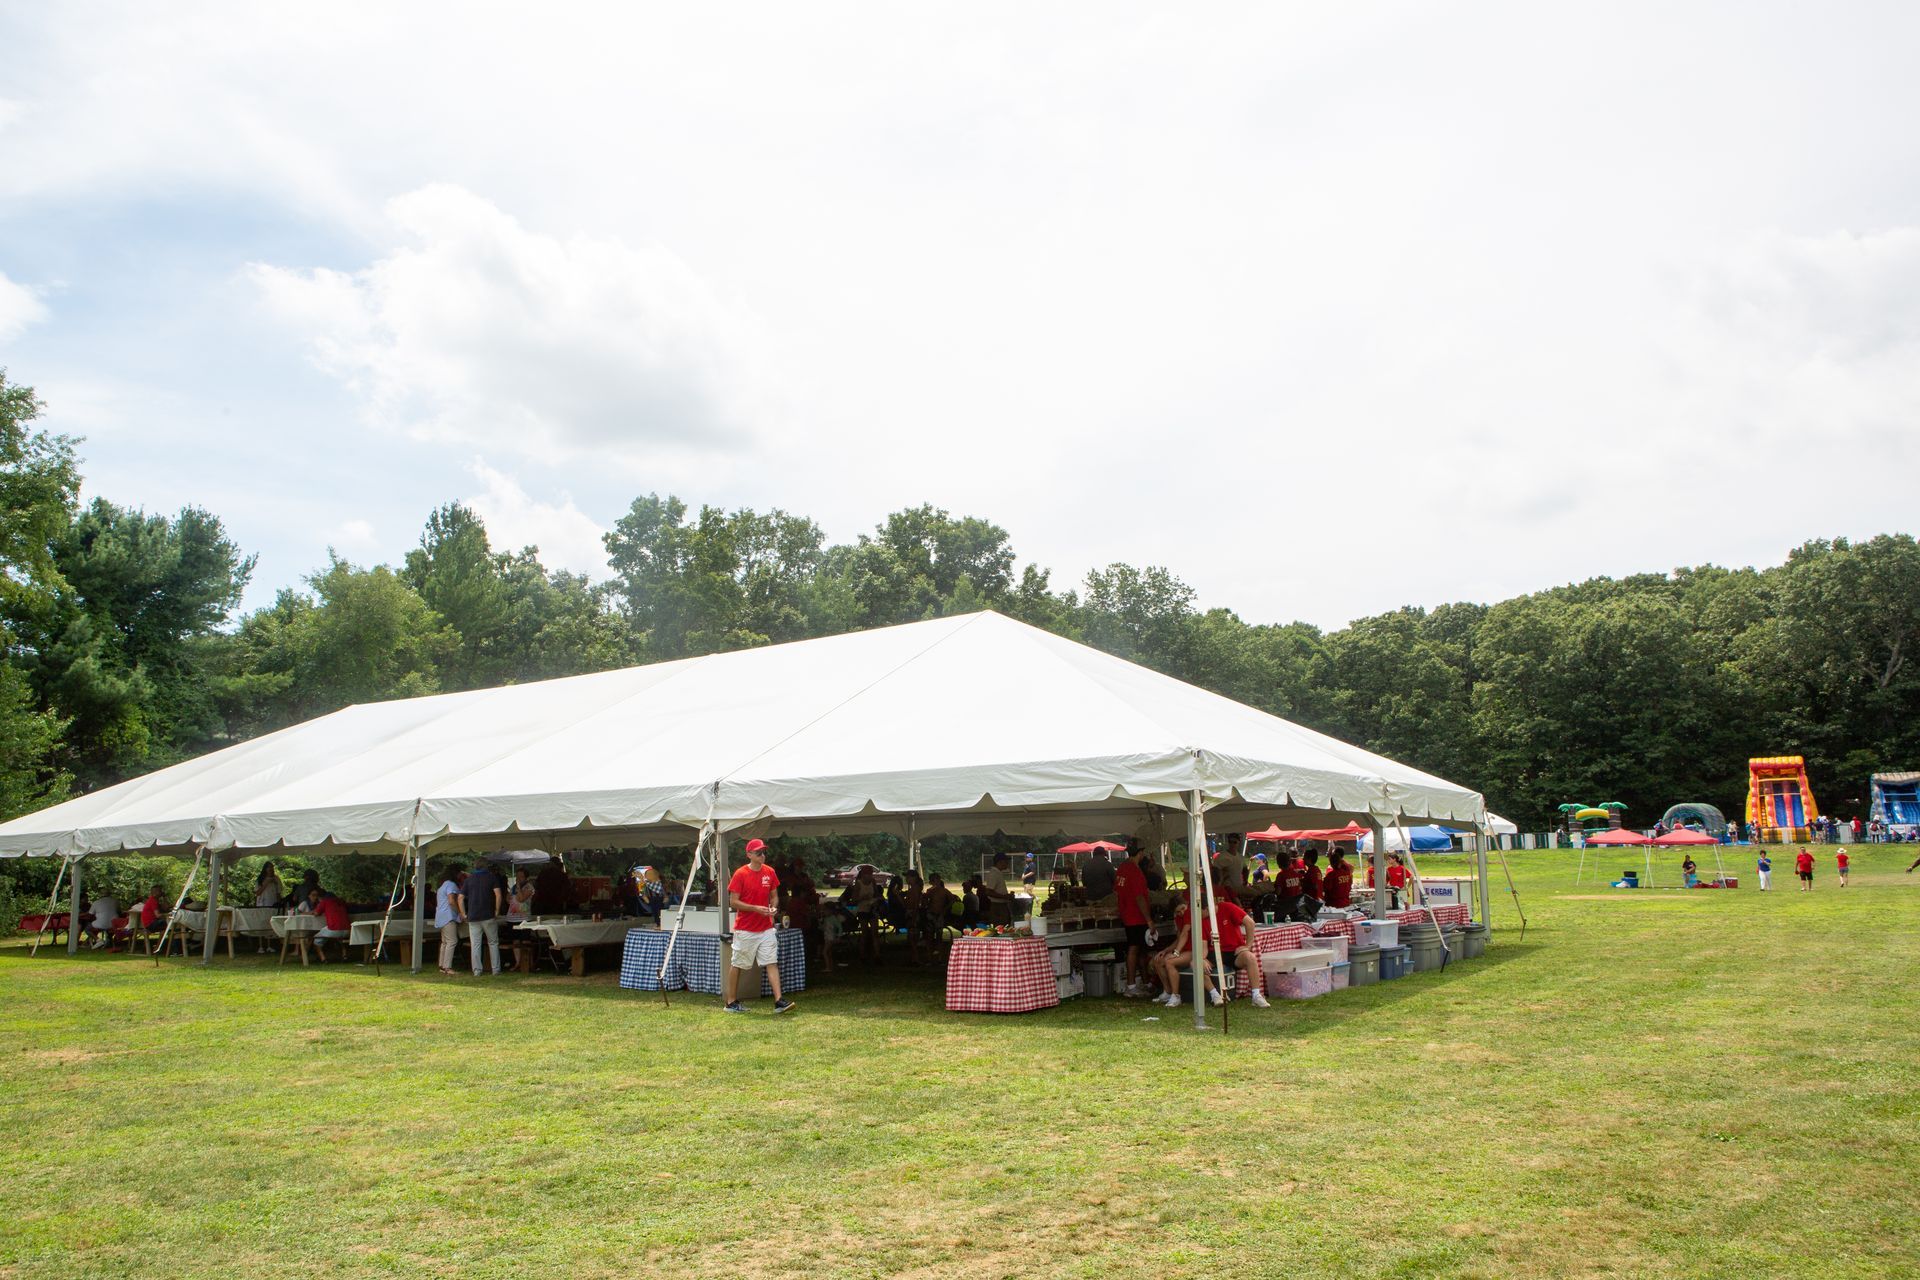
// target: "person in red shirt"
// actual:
[[1236, 941], [751, 893], [1293, 889], [1312, 882], [1130, 891], [1396, 877], [1841, 859], [336, 923], [1804, 865], [1336, 887]]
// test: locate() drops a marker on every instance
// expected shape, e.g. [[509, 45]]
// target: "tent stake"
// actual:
[[193, 873], [53, 900], [1512, 889]]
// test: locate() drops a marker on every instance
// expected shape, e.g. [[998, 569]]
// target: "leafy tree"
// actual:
[[118, 647]]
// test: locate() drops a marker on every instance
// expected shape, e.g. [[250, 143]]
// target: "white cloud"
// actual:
[[567, 539], [478, 332], [356, 536], [19, 307]]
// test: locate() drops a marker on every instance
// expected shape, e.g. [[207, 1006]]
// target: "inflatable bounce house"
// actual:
[[1698, 817], [1896, 798], [1587, 819], [1779, 799]]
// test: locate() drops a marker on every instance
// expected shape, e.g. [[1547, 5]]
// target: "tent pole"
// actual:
[[75, 904], [1583, 865], [913, 846], [1213, 915], [193, 873], [1480, 876], [1379, 869], [210, 940], [1196, 857], [419, 921]]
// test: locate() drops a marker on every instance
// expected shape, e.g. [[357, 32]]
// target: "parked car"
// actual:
[[847, 875]]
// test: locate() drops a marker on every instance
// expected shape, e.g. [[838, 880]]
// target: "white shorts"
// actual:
[[755, 950]]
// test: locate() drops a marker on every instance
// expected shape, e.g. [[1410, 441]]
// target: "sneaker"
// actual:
[[1260, 1001], [1163, 997], [1173, 1001], [782, 1006], [1213, 995], [735, 1007]]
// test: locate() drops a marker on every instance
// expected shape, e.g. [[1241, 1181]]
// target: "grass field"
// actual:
[[1650, 1084]]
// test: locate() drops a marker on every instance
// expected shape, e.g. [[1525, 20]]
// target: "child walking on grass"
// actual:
[[1841, 859]]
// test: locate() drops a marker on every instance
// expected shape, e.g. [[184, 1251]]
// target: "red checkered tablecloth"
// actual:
[[1342, 927], [1000, 975], [1460, 915]]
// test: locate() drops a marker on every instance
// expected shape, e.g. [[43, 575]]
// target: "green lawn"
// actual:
[[1650, 1084]]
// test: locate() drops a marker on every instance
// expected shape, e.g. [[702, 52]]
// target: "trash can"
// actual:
[[1364, 965], [1423, 944], [1473, 942], [1393, 963]]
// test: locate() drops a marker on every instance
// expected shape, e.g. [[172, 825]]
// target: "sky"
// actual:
[[1328, 308]]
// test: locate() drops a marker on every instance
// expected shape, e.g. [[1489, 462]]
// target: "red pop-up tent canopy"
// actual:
[[1352, 831], [1682, 835], [1619, 837], [1088, 846]]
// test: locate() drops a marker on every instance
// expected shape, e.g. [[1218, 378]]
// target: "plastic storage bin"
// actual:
[[1473, 942], [1363, 966], [1376, 933], [1394, 962], [1425, 950], [1301, 984], [1342, 974], [1338, 943]]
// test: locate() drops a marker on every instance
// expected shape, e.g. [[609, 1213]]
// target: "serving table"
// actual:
[[1000, 975]]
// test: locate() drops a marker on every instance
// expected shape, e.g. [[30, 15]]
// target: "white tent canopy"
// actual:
[[974, 723]]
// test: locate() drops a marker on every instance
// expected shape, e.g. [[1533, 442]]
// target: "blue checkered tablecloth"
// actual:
[[696, 962]]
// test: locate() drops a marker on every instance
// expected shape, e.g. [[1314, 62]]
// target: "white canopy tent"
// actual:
[[974, 724]]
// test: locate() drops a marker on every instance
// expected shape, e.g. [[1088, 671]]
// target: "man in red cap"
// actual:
[[751, 893]]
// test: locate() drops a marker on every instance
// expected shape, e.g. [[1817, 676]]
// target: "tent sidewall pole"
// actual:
[[419, 921], [73, 907], [209, 940], [1480, 869], [1196, 844], [1379, 870]]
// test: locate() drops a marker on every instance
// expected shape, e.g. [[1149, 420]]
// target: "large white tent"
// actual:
[[975, 723]]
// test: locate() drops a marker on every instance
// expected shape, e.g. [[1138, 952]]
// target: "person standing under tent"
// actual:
[[1136, 914], [1840, 859], [1099, 876], [446, 918], [1336, 886], [1764, 865], [1293, 889], [752, 893], [268, 891], [996, 902], [552, 889], [1312, 884], [1230, 868], [1396, 878], [1803, 866], [485, 898]]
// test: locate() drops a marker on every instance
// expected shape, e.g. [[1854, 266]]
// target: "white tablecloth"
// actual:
[[250, 921], [586, 933]]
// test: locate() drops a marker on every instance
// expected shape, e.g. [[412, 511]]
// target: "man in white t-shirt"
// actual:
[[995, 900], [446, 918], [104, 912]]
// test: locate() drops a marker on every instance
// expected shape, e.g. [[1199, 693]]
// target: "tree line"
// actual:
[[122, 648]]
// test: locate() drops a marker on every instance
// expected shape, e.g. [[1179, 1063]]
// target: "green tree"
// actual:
[[119, 647]]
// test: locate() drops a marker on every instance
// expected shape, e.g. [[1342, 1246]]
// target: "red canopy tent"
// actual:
[[1352, 831], [1685, 835], [1088, 846], [1619, 836]]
